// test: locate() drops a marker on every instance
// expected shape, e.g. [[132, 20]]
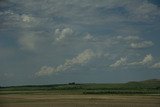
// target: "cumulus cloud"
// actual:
[[119, 63], [46, 70], [8, 12], [12, 19], [128, 38], [26, 18], [80, 59], [143, 44], [147, 60], [10, 15], [144, 11], [62, 34], [131, 38], [87, 12], [156, 65], [92, 12], [88, 37]]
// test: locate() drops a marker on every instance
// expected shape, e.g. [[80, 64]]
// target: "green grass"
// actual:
[[143, 87]]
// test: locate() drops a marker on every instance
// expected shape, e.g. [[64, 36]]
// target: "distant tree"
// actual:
[[72, 83]]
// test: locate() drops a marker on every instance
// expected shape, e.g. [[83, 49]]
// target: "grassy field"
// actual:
[[132, 94], [78, 101], [149, 87]]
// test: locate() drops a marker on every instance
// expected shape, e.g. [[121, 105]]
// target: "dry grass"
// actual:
[[78, 101]]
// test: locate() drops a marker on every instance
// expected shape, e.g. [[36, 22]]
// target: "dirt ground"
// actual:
[[78, 101]]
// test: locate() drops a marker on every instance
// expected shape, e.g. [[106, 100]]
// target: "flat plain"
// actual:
[[18, 100], [132, 94]]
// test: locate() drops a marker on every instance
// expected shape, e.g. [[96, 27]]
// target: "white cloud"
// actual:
[[17, 17], [88, 37], [131, 38], [147, 60], [143, 11], [120, 62], [156, 65], [62, 34], [9, 12], [26, 18], [87, 12], [128, 38], [46, 70], [143, 44], [80, 59], [91, 12], [12, 19]]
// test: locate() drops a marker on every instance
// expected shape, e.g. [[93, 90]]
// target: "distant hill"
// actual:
[[152, 81], [135, 87], [148, 81]]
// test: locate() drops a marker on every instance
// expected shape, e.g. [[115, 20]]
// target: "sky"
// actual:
[[82, 41]]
